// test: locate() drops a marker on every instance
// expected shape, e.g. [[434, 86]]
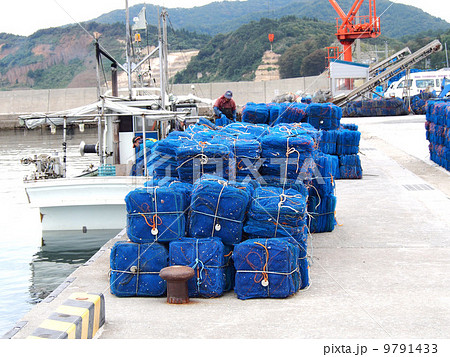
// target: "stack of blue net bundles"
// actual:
[[323, 180], [135, 269], [287, 156], [223, 121], [347, 142], [349, 126], [255, 113], [218, 209], [295, 129], [206, 123], [257, 130], [266, 268], [376, 107], [282, 113], [163, 160], [196, 159], [438, 131], [321, 212], [327, 143], [325, 116], [246, 153], [418, 102], [350, 167], [211, 261], [156, 214], [278, 212]]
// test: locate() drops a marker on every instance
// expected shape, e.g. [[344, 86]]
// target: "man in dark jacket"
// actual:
[[225, 105]]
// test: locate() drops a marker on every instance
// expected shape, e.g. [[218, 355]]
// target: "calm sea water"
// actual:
[[32, 264]]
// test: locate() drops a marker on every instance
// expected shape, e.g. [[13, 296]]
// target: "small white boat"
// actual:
[[96, 200]]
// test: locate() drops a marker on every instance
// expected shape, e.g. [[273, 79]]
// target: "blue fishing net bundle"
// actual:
[[287, 156], [327, 143], [257, 130], [155, 214], [211, 261], [266, 268], [375, 107], [295, 129], [135, 269], [323, 180], [282, 113], [277, 212], [203, 157], [350, 167], [255, 113], [218, 209], [325, 116], [321, 212], [418, 102], [347, 142], [438, 131], [349, 126], [246, 153]]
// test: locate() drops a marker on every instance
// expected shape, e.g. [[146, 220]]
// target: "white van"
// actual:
[[418, 82]]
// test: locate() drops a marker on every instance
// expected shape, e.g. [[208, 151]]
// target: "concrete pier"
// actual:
[[382, 273]]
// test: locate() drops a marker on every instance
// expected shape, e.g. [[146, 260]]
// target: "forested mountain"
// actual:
[[397, 20]]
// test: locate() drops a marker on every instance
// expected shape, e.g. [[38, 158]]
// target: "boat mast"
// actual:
[[128, 49], [163, 56]]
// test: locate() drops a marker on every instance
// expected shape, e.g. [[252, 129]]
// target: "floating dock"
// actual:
[[382, 273]]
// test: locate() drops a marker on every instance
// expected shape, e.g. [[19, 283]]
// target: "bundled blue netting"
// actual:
[[246, 153], [323, 180], [135, 269], [350, 167], [335, 167], [266, 268], [223, 121], [163, 160], [440, 154], [438, 131], [438, 111], [283, 113], [321, 212], [418, 102], [257, 130], [376, 107], [277, 212], [295, 129], [327, 143], [347, 142], [200, 158], [325, 116], [155, 214], [255, 113], [206, 123], [349, 126], [218, 209], [211, 261], [287, 156], [437, 134]]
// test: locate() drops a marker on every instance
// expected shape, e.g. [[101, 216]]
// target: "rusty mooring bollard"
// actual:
[[177, 277]]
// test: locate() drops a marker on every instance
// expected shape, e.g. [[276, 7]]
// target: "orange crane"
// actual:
[[351, 27]]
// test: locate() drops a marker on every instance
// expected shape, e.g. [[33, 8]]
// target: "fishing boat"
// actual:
[[94, 199]]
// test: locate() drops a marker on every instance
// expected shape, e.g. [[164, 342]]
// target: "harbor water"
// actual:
[[33, 263]]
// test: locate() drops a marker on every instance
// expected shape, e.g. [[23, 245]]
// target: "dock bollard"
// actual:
[[177, 277]]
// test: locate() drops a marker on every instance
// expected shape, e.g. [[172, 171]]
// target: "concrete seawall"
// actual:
[[18, 102]]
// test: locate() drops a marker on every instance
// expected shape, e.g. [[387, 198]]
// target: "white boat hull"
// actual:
[[84, 203]]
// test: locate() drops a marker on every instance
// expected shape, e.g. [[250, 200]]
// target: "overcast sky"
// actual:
[[24, 17]]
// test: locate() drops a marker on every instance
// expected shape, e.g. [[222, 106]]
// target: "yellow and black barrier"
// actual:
[[79, 317]]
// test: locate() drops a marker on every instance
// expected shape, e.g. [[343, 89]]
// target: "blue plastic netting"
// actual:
[[280, 113], [438, 131], [325, 116], [287, 156], [350, 167], [266, 268], [323, 180], [218, 209], [327, 143], [194, 160], [257, 130], [155, 214], [277, 212], [255, 113], [419, 102], [211, 261], [347, 142], [375, 107], [321, 211], [135, 269]]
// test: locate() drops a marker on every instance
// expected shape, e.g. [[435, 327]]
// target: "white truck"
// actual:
[[418, 82]]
